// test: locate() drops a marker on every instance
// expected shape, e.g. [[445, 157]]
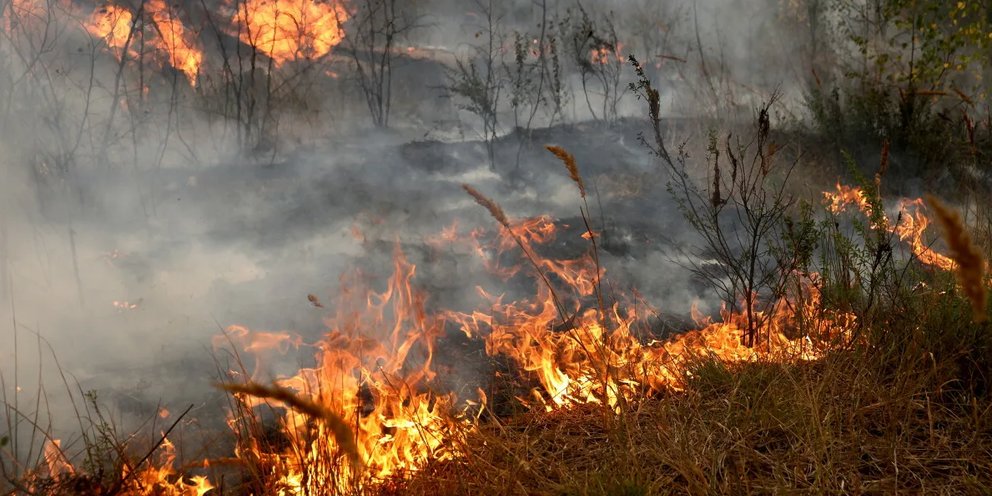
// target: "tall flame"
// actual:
[[291, 30], [163, 33], [373, 369], [175, 40]]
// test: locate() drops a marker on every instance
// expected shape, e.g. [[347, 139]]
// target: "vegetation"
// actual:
[[894, 393]]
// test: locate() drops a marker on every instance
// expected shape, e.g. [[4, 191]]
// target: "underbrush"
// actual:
[[896, 398], [901, 403], [897, 414]]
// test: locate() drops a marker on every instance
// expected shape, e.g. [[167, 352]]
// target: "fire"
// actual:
[[910, 227], [290, 30], [174, 40], [607, 54], [284, 30], [583, 350], [157, 476], [55, 460], [374, 370], [258, 345], [112, 24], [162, 32], [374, 365], [837, 201]]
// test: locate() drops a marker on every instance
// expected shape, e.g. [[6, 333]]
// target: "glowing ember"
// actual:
[[291, 30], [607, 54], [124, 305]]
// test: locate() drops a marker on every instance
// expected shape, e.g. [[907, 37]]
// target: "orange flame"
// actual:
[[373, 367], [845, 195], [156, 477], [594, 355], [174, 40], [910, 227], [23, 13], [112, 24], [167, 37], [605, 55], [56, 461], [291, 30]]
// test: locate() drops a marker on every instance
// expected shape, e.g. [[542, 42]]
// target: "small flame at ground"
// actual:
[[607, 54], [156, 477], [585, 351]]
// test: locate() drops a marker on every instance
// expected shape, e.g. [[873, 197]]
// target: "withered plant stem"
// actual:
[[497, 212], [341, 430], [123, 480], [573, 171], [970, 271]]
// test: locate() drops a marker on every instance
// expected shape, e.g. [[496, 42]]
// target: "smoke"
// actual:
[[140, 216]]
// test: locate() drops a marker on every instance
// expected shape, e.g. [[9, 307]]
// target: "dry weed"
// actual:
[[971, 265]]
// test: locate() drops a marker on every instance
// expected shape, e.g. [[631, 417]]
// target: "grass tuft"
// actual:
[[573, 170], [494, 209], [970, 269]]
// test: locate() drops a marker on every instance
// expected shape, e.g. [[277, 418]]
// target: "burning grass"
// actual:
[[884, 391], [841, 425]]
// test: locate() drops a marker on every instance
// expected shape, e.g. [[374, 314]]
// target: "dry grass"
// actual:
[[830, 427], [494, 209], [970, 269], [342, 431], [573, 169]]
